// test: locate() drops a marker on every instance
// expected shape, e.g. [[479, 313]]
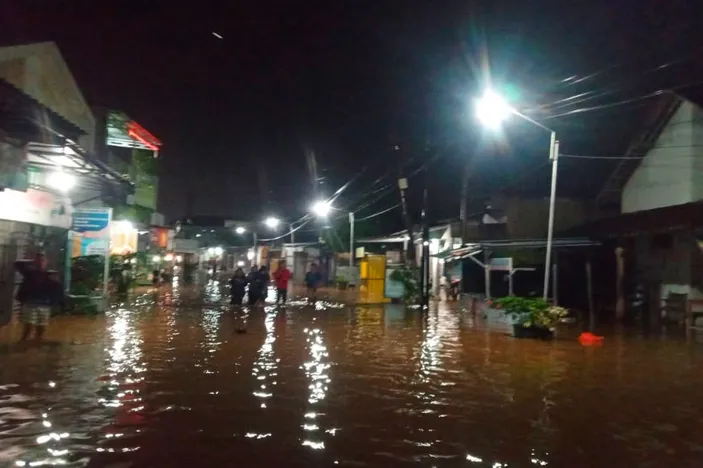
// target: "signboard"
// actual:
[[13, 167], [186, 246], [501, 264], [35, 207], [159, 237], [90, 235], [91, 232], [124, 132], [393, 289], [123, 241]]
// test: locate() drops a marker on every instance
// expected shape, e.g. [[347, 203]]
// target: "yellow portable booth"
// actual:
[[372, 272]]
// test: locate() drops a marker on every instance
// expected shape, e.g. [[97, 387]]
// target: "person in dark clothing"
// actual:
[[313, 278], [253, 280], [264, 281], [39, 291], [238, 282]]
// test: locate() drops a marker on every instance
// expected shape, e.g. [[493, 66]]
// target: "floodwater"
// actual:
[[177, 380]]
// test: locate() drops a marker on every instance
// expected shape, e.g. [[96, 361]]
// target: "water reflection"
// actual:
[[264, 370], [177, 383], [124, 382], [317, 373]]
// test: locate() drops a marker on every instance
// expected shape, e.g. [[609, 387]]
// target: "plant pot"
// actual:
[[536, 333]]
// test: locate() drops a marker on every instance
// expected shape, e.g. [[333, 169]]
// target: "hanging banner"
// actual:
[[91, 232], [35, 207]]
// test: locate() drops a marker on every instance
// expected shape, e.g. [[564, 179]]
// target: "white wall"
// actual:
[[671, 172]]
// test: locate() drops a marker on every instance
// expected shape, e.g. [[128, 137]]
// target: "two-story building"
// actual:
[[48, 163]]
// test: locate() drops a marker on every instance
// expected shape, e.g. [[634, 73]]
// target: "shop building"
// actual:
[[48, 164]]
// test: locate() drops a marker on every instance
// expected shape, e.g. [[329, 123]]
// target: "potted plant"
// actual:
[[342, 283], [531, 317]]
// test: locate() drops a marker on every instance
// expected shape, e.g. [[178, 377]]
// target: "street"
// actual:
[[179, 378]]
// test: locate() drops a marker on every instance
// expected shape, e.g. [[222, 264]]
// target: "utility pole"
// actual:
[[464, 201], [410, 251], [351, 239], [425, 265]]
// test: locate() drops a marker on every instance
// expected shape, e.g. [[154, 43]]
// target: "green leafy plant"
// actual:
[[86, 274], [410, 277], [530, 312]]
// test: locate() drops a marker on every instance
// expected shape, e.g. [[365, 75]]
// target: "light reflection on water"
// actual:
[[168, 380], [264, 369], [317, 371]]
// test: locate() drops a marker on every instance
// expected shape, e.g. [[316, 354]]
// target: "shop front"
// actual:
[[48, 166], [30, 222]]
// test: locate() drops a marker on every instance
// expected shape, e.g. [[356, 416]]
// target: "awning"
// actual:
[[471, 249], [73, 158]]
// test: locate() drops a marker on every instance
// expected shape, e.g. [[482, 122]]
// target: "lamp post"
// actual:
[[322, 209], [492, 110]]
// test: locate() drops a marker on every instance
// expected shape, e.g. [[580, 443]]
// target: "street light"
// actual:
[[272, 222], [240, 230], [322, 209], [61, 181], [492, 110]]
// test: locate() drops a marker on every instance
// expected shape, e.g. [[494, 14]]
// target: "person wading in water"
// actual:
[[39, 291], [238, 283], [281, 277]]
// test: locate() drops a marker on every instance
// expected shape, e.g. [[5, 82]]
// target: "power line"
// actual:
[[287, 233], [378, 213]]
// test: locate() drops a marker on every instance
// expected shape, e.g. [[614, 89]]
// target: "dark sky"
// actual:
[[351, 80]]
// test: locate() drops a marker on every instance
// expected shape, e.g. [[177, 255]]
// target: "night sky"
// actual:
[[363, 84]]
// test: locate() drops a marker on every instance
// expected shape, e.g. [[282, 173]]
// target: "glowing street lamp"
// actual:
[[491, 111], [61, 181], [272, 222], [321, 208], [240, 230]]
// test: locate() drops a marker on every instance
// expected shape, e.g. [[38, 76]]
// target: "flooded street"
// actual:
[[178, 380]]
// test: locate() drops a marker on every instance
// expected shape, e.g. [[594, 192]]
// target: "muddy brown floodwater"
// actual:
[[183, 381]]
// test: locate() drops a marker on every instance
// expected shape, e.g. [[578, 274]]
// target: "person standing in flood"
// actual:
[[264, 279], [253, 280], [281, 277], [238, 282], [38, 292], [313, 278]]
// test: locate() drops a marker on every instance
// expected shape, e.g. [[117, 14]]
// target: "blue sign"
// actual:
[[91, 220]]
